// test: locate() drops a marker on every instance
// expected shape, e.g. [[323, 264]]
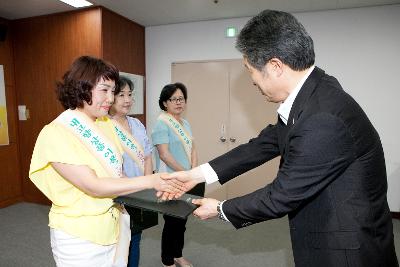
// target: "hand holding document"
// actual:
[[207, 208], [147, 199]]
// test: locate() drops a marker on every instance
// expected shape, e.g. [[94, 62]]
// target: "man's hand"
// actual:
[[207, 209], [169, 188], [188, 178], [185, 177]]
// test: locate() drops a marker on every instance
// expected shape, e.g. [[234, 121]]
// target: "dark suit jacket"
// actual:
[[331, 180]]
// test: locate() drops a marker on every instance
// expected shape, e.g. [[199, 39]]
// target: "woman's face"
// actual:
[[122, 102], [175, 105], [102, 99]]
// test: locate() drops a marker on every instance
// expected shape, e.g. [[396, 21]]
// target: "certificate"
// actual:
[[147, 199]]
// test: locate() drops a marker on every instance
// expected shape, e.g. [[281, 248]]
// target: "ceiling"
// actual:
[[160, 12]]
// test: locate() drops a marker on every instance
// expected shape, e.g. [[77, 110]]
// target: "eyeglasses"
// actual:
[[177, 100]]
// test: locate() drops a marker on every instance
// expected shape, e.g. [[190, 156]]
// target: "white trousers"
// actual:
[[70, 251]]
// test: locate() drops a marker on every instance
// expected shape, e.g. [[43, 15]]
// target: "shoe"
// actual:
[[187, 264]]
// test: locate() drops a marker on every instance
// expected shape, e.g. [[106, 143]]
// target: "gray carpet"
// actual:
[[24, 241]]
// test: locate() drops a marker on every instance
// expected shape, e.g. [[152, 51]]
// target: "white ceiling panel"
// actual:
[[160, 12]]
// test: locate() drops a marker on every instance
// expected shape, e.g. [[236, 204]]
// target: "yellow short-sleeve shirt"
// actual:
[[73, 211]]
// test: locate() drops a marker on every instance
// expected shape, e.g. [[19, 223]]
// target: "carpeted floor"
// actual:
[[24, 241]]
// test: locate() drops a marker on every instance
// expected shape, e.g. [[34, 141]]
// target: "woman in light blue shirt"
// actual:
[[162, 134], [119, 112], [172, 136]]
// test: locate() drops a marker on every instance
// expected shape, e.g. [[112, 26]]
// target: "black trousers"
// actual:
[[173, 234]]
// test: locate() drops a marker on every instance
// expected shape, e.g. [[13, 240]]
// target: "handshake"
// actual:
[[173, 185]]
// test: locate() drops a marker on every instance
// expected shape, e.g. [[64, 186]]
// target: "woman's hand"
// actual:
[[171, 188]]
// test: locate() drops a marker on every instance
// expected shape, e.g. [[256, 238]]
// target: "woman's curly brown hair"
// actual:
[[79, 81]]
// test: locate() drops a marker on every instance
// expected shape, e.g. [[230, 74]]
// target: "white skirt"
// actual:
[[70, 251]]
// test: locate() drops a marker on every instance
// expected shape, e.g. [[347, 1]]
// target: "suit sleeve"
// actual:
[[247, 156], [320, 150]]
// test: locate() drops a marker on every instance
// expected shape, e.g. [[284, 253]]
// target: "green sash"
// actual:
[[86, 131], [179, 130], [103, 150], [130, 145]]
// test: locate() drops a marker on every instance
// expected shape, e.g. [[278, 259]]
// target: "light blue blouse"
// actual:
[[162, 134], [129, 167]]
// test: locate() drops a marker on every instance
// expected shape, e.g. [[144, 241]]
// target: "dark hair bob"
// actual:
[[78, 82], [168, 91], [122, 82]]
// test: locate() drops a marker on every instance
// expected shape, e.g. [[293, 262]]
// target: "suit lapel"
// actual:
[[305, 93], [299, 104], [282, 132]]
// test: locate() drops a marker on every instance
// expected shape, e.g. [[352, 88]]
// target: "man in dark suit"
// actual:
[[332, 177]]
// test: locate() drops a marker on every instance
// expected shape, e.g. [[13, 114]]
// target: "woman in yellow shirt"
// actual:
[[77, 163]]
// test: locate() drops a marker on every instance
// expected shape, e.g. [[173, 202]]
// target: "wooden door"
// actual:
[[223, 102], [207, 110], [249, 114]]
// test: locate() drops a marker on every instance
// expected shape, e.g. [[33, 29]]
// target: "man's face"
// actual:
[[266, 81]]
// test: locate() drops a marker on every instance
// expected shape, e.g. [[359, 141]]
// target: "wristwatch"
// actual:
[[219, 210]]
